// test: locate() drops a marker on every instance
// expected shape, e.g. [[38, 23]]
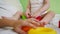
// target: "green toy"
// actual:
[[24, 4], [24, 17]]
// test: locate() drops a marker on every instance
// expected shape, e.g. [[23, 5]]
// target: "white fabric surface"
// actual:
[[55, 20], [9, 7], [7, 31]]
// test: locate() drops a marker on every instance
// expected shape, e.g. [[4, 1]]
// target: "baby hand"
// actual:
[[27, 13]]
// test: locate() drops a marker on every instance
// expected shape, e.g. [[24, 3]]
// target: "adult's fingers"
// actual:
[[29, 24], [34, 22], [32, 25]]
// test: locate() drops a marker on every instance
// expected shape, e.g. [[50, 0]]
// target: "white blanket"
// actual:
[[6, 31]]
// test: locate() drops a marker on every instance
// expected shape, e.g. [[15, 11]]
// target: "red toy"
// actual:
[[39, 18], [26, 28]]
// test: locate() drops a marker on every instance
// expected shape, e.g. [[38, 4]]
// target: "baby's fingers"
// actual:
[[32, 25], [34, 22]]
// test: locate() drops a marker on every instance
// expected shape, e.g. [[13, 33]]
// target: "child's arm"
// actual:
[[48, 17], [43, 9], [45, 6], [12, 23], [6, 22]]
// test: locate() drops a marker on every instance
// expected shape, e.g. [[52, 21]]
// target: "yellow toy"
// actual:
[[42, 30]]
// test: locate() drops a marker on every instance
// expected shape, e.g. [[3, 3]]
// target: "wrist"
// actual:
[[17, 23], [7, 22]]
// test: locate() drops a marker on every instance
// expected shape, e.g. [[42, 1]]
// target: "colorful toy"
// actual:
[[42, 30]]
